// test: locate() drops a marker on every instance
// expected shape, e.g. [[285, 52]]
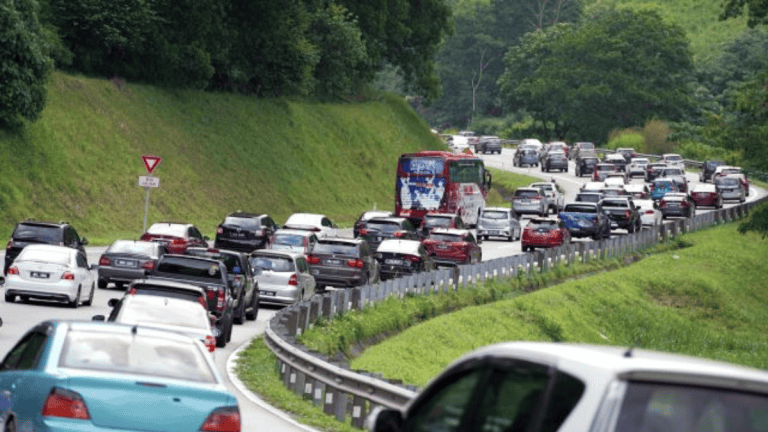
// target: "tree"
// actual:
[[24, 62], [615, 68], [758, 221], [758, 10], [747, 128]]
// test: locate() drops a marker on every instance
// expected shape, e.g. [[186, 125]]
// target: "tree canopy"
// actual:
[[758, 10]]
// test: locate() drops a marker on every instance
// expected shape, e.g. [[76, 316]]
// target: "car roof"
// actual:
[[614, 156], [542, 220], [669, 154], [304, 219], [704, 187], [528, 189], [635, 187], [540, 184], [170, 301], [352, 241], [246, 215], [376, 213], [675, 195], [589, 193], [400, 246], [442, 215], [388, 219], [190, 257], [630, 364], [452, 231], [51, 248], [215, 251], [43, 223], [299, 232], [113, 327], [504, 209]]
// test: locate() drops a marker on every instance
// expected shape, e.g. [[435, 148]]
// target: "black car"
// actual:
[[365, 217], [555, 160], [245, 232], [487, 144], [623, 213], [128, 260], [208, 274], [402, 258], [677, 204], [342, 262], [708, 169], [379, 229], [242, 280], [586, 164], [33, 232]]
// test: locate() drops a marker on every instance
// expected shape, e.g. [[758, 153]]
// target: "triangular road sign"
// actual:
[[151, 162], [466, 151]]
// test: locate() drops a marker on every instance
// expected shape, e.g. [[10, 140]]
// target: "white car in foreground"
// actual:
[[52, 273], [545, 386]]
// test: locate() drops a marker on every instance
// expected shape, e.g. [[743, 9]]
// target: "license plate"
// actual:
[[267, 293], [495, 232], [393, 261], [443, 247], [237, 234], [333, 261], [125, 263], [40, 275], [379, 238], [315, 272]]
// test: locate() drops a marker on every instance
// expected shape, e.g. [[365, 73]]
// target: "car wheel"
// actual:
[[103, 283], [221, 340], [10, 426], [119, 285], [240, 312], [631, 228], [229, 332], [10, 298], [90, 297], [251, 314], [76, 302]]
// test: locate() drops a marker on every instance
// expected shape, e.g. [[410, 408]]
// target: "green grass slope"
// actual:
[[221, 152], [705, 300]]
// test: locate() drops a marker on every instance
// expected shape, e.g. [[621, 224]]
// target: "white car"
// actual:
[[650, 215], [283, 277], [52, 273], [615, 180], [637, 166], [638, 190], [320, 224], [293, 240], [535, 386], [555, 198], [593, 187], [673, 160]]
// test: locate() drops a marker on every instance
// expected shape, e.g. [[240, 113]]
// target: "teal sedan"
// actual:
[[661, 187], [98, 377]]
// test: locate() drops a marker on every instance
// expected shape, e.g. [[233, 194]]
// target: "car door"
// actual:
[[83, 273], [307, 280]]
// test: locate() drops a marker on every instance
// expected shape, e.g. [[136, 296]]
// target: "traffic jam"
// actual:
[[181, 294]]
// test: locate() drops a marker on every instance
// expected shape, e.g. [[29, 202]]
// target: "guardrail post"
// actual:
[[331, 394], [314, 308], [541, 259], [358, 412], [291, 322], [663, 232], [302, 323], [355, 297], [317, 394], [326, 308], [297, 385]]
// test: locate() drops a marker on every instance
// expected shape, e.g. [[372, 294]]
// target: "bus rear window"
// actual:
[[470, 171], [424, 165]]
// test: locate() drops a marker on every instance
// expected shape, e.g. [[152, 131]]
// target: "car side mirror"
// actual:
[[98, 318], [112, 302], [84, 241], [206, 238], [384, 420]]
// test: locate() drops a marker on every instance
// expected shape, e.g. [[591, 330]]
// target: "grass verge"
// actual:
[[504, 185]]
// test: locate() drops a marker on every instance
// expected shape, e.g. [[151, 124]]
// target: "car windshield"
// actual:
[[168, 311], [383, 226], [273, 263], [38, 233], [525, 194], [668, 407], [136, 354], [673, 172], [61, 257], [575, 208], [445, 237], [175, 230], [528, 152], [133, 248], [495, 214], [326, 247], [289, 239], [437, 221], [663, 185], [242, 222], [615, 203], [589, 161]]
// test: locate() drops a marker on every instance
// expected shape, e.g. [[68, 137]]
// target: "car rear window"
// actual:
[[175, 230], [190, 267], [242, 222], [543, 225], [230, 261], [615, 203], [45, 256], [133, 248], [136, 354], [575, 208], [289, 239], [273, 263], [341, 248], [673, 171], [526, 194], [495, 214], [383, 226], [445, 237], [604, 167], [43, 234], [588, 198], [727, 182], [437, 222]]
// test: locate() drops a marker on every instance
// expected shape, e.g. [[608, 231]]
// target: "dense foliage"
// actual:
[[24, 62]]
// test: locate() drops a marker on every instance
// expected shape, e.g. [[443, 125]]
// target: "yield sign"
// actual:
[[151, 162]]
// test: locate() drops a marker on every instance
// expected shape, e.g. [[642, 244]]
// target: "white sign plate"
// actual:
[[149, 181]]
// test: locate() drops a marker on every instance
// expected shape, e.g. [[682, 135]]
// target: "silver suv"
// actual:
[[530, 200]]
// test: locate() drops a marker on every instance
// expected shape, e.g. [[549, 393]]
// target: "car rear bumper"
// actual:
[[528, 208], [62, 290], [675, 212], [338, 277], [240, 245], [499, 232], [278, 294], [121, 274]]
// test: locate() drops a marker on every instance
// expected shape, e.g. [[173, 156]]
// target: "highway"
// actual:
[[256, 416]]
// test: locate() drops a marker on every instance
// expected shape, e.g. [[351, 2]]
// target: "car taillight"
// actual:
[[363, 231], [210, 294], [219, 230], [259, 233], [145, 237], [221, 297], [13, 270], [104, 261], [627, 214], [663, 203], [68, 276], [412, 258], [355, 263], [294, 280], [311, 259], [179, 241], [10, 244], [398, 234], [149, 265], [210, 343], [132, 291], [649, 212], [224, 419], [65, 403], [536, 198]]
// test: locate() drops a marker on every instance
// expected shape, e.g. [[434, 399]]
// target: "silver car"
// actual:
[[283, 276], [637, 166], [730, 188], [498, 222], [530, 200]]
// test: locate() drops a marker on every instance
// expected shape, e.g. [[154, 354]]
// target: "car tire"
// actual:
[[239, 317], [254, 310], [119, 285], [76, 302], [90, 298], [221, 341], [10, 298], [103, 283], [229, 332]]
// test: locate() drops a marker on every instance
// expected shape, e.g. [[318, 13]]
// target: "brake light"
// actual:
[[224, 419], [65, 403], [398, 234], [221, 297], [132, 291], [363, 231], [536, 198], [68, 276], [210, 294], [10, 244], [355, 263], [627, 214], [104, 261], [219, 230], [179, 241], [145, 237], [412, 258], [649, 212], [210, 343], [311, 259], [13, 270], [294, 280], [149, 265]]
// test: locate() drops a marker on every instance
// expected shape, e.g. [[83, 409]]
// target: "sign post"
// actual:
[[149, 182]]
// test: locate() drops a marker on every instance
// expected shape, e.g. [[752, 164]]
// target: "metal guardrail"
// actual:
[[344, 393]]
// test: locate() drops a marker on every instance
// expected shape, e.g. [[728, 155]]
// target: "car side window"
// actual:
[[82, 261], [26, 353], [115, 310], [326, 223], [470, 238], [196, 233], [301, 265], [74, 236]]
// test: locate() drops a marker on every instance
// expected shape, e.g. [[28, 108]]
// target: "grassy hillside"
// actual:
[[221, 152]]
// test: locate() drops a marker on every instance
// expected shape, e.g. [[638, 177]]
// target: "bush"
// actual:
[[758, 221], [627, 139]]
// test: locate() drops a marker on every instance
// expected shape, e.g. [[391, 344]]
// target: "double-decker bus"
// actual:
[[444, 182]]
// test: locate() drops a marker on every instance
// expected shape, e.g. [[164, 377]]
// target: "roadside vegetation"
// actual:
[[221, 152], [504, 185]]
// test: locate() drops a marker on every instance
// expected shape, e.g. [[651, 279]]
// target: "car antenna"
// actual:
[[628, 353], [134, 329]]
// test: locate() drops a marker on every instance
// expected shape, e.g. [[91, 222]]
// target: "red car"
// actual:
[[544, 233], [176, 237], [452, 247], [706, 194]]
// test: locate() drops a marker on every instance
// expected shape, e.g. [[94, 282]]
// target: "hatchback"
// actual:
[[52, 273], [127, 260], [586, 165], [530, 200], [294, 240], [402, 258], [555, 160], [95, 376], [581, 148], [283, 276], [525, 157], [343, 262], [637, 166], [706, 194], [661, 187], [554, 386], [245, 232], [544, 233], [673, 160], [730, 188], [650, 215], [453, 247], [498, 222], [176, 237], [34, 232]]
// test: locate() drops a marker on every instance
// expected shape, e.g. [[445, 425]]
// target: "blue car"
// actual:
[[661, 187], [98, 377]]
